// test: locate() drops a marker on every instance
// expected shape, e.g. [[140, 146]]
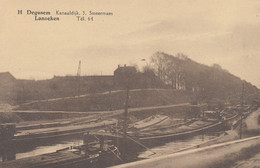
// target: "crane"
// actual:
[[78, 78], [79, 69]]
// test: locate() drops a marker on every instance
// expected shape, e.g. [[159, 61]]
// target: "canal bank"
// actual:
[[183, 144], [226, 150], [221, 155]]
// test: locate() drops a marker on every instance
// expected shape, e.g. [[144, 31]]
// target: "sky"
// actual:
[[207, 31]]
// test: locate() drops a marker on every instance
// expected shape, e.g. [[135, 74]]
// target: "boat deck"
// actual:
[[43, 161], [58, 131], [182, 128]]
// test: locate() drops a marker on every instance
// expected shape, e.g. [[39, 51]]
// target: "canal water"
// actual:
[[11, 152], [19, 152], [49, 149], [175, 146]]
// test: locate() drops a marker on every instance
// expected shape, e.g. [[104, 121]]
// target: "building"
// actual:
[[124, 74], [8, 85]]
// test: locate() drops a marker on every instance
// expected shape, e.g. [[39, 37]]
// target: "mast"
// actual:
[[125, 124], [241, 111], [126, 111]]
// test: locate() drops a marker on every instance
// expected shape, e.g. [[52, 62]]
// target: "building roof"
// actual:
[[125, 69], [6, 76]]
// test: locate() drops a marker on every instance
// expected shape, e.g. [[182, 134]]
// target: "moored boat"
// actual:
[[150, 135], [98, 153]]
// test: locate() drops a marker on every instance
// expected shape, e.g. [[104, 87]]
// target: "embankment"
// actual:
[[251, 125], [113, 100], [182, 111], [221, 155]]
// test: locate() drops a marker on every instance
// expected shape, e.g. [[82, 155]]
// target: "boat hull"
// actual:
[[131, 144]]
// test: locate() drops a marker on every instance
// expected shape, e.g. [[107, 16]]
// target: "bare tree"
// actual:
[[169, 69]]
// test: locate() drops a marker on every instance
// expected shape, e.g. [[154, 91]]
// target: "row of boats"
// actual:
[[161, 128], [112, 143]]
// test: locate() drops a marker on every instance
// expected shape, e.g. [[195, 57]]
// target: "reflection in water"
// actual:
[[9, 151], [174, 146], [48, 149], [19, 151]]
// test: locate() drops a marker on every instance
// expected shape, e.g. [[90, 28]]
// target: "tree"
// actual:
[[158, 62], [169, 69], [217, 66]]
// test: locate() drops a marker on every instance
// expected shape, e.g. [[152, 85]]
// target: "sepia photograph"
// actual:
[[130, 84]]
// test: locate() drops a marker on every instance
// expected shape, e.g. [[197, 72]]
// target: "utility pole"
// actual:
[[241, 111]]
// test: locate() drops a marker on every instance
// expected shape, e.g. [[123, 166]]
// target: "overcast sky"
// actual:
[[222, 32]]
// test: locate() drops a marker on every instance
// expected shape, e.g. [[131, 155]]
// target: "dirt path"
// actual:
[[252, 124], [252, 121]]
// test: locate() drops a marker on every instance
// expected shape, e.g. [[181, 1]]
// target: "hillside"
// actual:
[[19, 91], [208, 83], [204, 84], [113, 101]]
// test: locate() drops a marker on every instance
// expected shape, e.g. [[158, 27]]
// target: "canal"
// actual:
[[19, 151], [10, 152]]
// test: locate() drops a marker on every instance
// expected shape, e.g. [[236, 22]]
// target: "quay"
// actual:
[[212, 156]]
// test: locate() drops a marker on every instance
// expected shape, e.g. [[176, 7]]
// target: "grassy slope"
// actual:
[[97, 102]]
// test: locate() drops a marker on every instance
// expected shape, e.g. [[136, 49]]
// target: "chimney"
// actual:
[[118, 66], [125, 65]]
